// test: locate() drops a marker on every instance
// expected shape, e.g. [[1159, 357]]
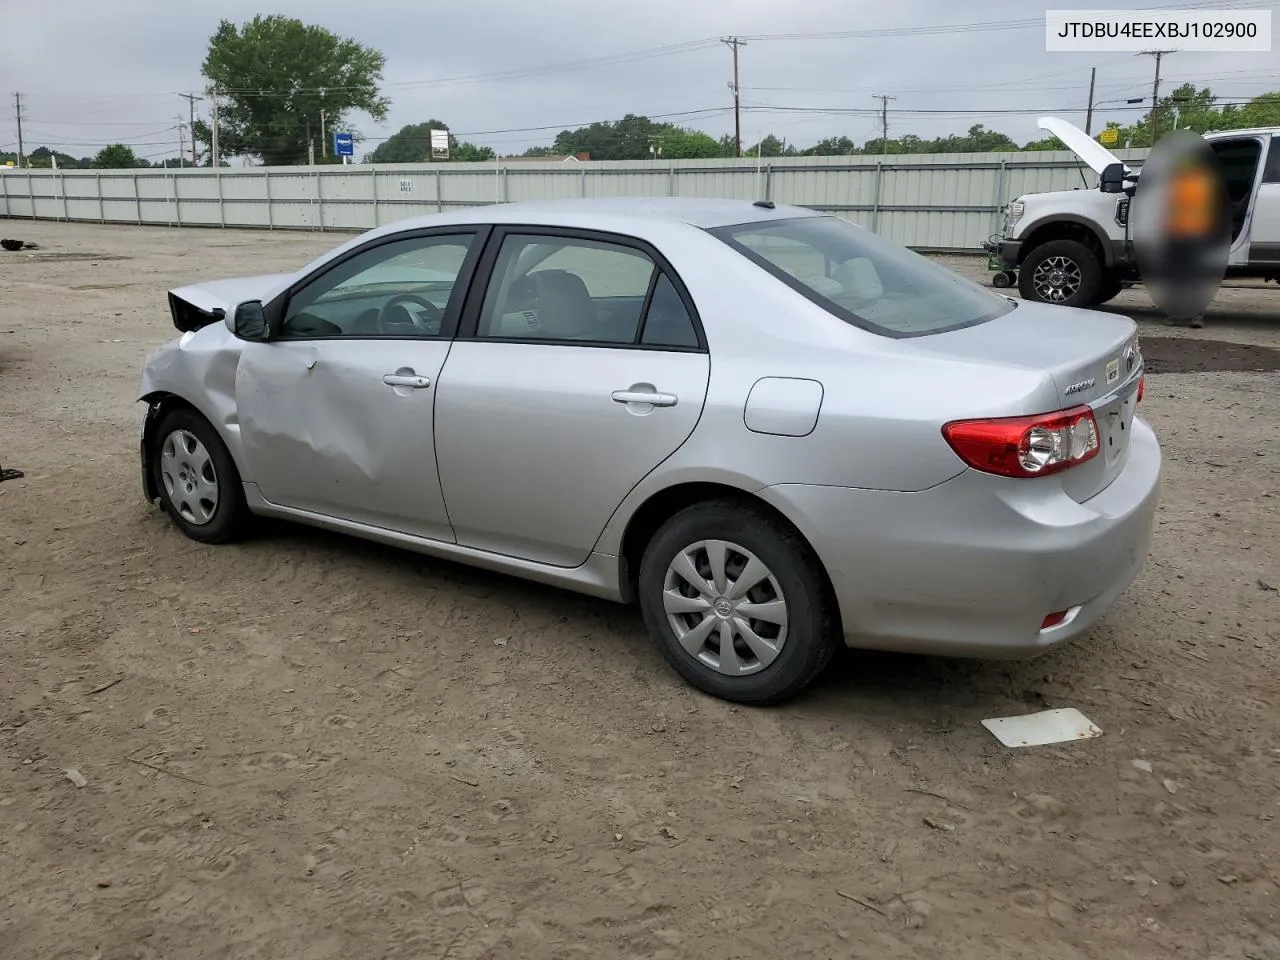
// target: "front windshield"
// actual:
[[863, 279]]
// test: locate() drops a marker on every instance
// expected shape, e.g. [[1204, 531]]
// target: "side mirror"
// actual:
[[251, 321], [1112, 179]]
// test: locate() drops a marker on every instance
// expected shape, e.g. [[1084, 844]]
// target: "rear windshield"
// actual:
[[864, 280]]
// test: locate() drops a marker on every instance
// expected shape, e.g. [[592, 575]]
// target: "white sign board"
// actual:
[[440, 143], [406, 186]]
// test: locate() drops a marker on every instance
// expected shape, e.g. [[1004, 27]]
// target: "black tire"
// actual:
[[226, 519], [1110, 289], [1082, 265], [1003, 280], [812, 635]]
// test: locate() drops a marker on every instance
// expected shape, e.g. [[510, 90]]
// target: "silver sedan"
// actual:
[[773, 430]]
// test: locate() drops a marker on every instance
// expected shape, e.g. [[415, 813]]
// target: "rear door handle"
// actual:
[[401, 380], [656, 399]]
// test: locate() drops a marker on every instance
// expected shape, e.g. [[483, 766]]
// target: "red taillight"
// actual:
[[1053, 619], [1142, 386], [1026, 446]]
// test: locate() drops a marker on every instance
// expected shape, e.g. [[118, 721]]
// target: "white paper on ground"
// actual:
[[1038, 729]]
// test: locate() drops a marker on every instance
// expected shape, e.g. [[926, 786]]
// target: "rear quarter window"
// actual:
[[863, 279]]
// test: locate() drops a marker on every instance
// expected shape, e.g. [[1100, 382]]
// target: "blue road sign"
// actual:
[[344, 145]]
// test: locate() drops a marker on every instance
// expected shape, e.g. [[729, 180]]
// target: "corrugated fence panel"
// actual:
[[944, 201]]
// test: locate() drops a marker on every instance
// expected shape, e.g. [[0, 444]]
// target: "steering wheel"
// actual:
[[387, 323]]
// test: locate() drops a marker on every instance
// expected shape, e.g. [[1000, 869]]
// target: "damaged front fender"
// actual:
[[198, 370]]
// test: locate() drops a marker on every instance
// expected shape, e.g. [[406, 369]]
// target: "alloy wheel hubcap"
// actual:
[[190, 480], [725, 607], [1057, 279]]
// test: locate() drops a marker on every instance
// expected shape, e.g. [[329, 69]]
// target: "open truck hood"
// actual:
[[1082, 145], [201, 304]]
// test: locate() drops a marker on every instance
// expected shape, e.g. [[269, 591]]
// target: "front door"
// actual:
[[336, 409], [1264, 234], [579, 371], [1241, 162]]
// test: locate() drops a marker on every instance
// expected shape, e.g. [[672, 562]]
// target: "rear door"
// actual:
[[580, 367], [336, 409]]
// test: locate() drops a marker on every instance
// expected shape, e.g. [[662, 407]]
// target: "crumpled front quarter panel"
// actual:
[[200, 368]]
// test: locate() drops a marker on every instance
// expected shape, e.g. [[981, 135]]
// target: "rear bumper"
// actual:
[[972, 567]]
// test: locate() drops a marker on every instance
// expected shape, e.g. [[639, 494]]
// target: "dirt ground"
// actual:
[[308, 746]]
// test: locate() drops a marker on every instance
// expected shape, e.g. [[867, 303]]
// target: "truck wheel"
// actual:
[[1110, 289], [1062, 272]]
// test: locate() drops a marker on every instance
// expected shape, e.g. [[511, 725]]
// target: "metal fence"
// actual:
[[937, 202]]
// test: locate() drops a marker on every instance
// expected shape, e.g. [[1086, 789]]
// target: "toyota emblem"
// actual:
[[1130, 359]]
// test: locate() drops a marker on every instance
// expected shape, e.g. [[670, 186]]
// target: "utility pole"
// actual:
[[213, 139], [17, 104], [324, 144], [884, 122], [191, 98], [1088, 117], [733, 43], [1155, 90], [182, 162]]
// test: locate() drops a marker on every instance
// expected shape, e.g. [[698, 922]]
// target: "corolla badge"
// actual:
[[1079, 387]]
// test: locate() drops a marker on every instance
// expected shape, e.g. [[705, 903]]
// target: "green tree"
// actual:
[[409, 144], [466, 152], [679, 143], [116, 157], [1263, 111], [770, 146], [276, 77], [831, 147]]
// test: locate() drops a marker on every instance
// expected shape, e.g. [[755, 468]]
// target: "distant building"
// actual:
[[557, 158]]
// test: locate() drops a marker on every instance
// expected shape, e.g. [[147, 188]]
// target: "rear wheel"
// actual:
[[737, 603], [1062, 272], [196, 478]]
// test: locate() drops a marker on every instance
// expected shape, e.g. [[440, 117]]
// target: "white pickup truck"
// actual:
[[1074, 247]]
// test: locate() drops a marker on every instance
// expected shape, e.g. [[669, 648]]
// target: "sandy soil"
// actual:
[[320, 748]]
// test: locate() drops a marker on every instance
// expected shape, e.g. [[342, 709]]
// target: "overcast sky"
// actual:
[[93, 73]]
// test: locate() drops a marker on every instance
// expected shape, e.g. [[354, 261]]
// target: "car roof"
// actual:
[[1250, 132], [620, 212]]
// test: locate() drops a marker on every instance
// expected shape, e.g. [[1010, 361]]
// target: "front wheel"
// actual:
[[1110, 289], [1062, 272], [738, 603], [197, 480]]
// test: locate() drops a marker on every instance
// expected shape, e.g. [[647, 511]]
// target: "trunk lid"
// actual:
[[201, 304], [1089, 358]]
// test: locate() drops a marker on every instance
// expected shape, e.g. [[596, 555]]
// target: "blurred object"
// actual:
[[10, 474], [1181, 219], [15, 245]]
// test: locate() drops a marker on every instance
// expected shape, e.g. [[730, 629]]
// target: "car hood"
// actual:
[[200, 304], [1081, 144], [223, 294]]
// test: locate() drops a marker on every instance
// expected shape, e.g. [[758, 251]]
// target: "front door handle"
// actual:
[[634, 396], [403, 380]]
